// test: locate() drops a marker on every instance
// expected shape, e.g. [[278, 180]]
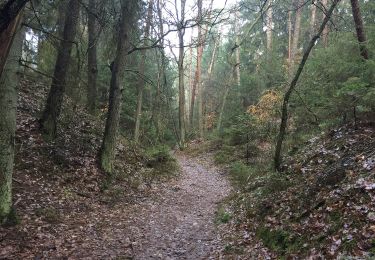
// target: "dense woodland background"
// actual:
[[280, 92]]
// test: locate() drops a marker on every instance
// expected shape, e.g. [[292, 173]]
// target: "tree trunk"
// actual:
[[162, 76], [141, 83], [221, 113], [361, 35], [53, 106], [107, 150], [290, 31], [269, 28], [6, 40], [213, 56], [284, 114], [198, 73], [312, 20], [9, 11], [92, 67], [9, 79], [190, 87], [296, 33], [181, 87], [325, 31], [238, 60], [192, 103]]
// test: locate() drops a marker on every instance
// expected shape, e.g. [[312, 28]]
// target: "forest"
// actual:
[[187, 129]]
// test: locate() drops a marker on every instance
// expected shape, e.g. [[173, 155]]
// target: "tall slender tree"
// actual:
[[181, 77], [312, 19], [326, 29], [138, 114], [107, 150], [269, 21], [54, 102], [296, 32], [92, 66]]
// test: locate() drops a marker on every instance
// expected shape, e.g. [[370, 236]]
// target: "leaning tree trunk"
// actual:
[[141, 83], [9, 78], [92, 66], [53, 106], [9, 12], [361, 35], [107, 150], [284, 114]]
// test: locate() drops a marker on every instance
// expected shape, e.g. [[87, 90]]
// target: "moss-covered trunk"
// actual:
[[9, 79]]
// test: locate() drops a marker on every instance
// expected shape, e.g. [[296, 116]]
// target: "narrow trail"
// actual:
[[179, 223], [175, 220]]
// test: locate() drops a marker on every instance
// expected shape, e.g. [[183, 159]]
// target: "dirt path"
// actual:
[[174, 221], [179, 224]]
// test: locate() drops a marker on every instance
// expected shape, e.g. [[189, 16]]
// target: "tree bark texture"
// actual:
[[54, 102], [138, 114], [290, 31], [92, 66], [284, 113], [269, 27], [326, 30], [361, 35], [312, 20], [107, 151], [296, 32], [9, 11], [6, 40], [9, 79], [181, 77]]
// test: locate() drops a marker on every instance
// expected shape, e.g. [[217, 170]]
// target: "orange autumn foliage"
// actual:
[[267, 107]]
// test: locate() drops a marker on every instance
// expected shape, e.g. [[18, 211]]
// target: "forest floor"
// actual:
[[179, 221], [175, 220], [68, 209]]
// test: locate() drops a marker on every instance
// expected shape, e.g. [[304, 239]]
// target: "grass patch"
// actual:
[[240, 173], [159, 158], [223, 216], [225, 155], [280, 241]]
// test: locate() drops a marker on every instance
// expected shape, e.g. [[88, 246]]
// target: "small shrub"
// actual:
[[226, 155], [222, 216], [160, 159], [240, 173], [280, 241]]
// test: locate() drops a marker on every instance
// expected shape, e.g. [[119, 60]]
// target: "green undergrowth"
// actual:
[[280, 241], [162, 162], [223, 215]]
